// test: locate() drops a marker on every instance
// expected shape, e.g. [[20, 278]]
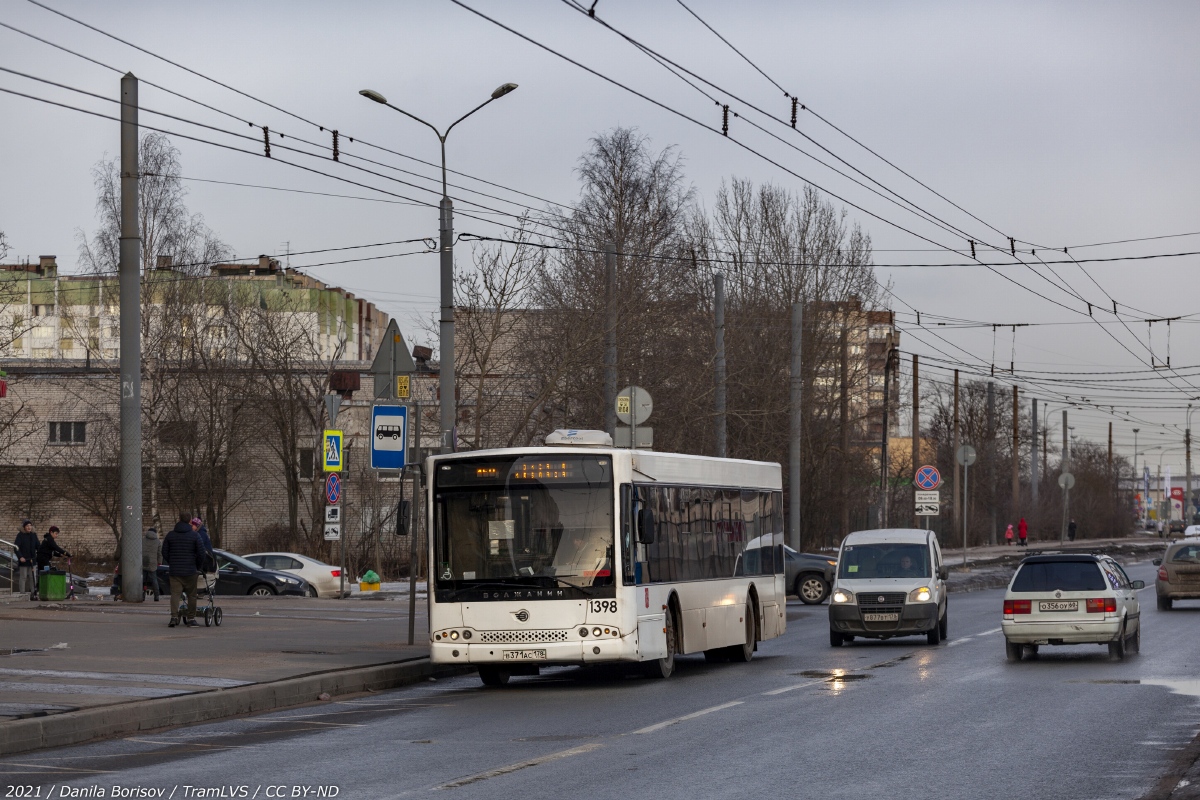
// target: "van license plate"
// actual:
[[524, 655], [1059, 605], [881, 617]]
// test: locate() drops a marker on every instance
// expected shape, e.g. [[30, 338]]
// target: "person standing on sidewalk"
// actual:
[[151, 558], [1071, 530], [1008, 535], [27, 547], [1023, 532], [49, 549], [184, 556]]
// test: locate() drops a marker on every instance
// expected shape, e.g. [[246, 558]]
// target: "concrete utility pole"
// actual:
[[129, 272], [991, 467], [916, 432], [1034, 478], [797, 421], [1066, 467], [414, 532], [610, 339], [844, 402], [1187, 442], [1016, 460], [1137, 480], [884, 494], [958, 506], [719, 324]]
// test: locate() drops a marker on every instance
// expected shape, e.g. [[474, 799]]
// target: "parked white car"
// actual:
[[325, 578], [1071, 599]]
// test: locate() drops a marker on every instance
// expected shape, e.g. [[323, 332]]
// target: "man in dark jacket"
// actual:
[[49, 549], [184, 556], [27, 547]]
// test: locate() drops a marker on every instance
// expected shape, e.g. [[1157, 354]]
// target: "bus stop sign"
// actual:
[[389, 437]]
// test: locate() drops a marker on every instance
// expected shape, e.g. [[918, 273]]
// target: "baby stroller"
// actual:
[[210, 610]]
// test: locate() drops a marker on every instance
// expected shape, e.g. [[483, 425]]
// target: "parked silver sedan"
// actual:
[[324, 578]]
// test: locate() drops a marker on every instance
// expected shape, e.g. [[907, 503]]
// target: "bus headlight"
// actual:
[[921, 595], [842, 596]]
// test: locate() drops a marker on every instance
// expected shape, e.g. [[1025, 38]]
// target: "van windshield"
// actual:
[[1068, 576], [884, 560]]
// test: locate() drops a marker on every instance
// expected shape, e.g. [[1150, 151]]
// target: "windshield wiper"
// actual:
[[585, 589]]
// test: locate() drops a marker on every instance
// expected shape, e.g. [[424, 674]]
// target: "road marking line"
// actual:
[[533, 762], [51, 767], [174, 680], [797, 686], [659, 726], [960, 641], [990, 632], [191, 743]]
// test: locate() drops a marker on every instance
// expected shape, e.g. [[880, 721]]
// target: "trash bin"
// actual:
[[52, 585], [369, 582]]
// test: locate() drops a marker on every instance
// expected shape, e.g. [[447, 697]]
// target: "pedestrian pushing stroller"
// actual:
[[211, 612]]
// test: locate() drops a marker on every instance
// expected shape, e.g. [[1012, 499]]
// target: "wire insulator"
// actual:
[[266, 141], [335, 145], [1012, 246], [972, 248], [795, 103], [724, 120]]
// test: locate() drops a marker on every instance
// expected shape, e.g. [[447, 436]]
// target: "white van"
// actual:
[[889, 582]]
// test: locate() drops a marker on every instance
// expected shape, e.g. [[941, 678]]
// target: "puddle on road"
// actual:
[[832, 675], [1184, 686], [15, 651]]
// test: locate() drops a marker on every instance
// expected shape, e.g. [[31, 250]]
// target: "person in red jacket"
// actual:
[[1023, 532]]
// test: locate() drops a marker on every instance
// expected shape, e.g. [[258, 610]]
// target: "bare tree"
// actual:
[[490, 338], [166, 225]]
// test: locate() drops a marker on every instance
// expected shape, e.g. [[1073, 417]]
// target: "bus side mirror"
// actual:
[[829, 574], [943, 573], [403, 512], [645, 525]]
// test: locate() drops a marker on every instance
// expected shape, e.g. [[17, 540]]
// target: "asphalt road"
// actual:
[[903, 720]]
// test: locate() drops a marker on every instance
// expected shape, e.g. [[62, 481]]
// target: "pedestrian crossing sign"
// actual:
[[333, 451]]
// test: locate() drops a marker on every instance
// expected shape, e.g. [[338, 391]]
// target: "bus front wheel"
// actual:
[[664, 667], [492, 676]]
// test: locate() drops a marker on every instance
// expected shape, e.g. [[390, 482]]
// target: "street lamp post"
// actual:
[[1141, 517], [1187, 441], [448, 409]]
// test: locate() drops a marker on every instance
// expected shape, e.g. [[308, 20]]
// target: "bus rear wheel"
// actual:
[[493, 676], [742, 653], [663, 667]]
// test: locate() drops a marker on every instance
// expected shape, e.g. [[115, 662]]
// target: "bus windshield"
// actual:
[[523, 521]]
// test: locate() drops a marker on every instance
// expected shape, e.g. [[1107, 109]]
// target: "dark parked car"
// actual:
[[236, 575], [1176, 526], [806, 575], [162, 575]]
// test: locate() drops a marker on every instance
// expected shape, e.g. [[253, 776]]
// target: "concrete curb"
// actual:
[[84, 725]]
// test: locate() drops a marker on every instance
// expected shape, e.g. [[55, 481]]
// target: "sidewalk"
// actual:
[[73, 671]]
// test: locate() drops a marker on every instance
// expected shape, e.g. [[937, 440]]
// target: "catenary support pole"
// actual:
[[1188, 516], [1066, 467], [959, 500], [884, 482], [916, 431], [991, 462], [448, 415], [610, 339], [719, 324], [1016, 459], [796, 433], [414, 530], [129, 272], [1034, 477], [844, 424]]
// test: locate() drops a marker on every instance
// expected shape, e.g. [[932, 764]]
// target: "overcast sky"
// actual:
[[1059, 124]]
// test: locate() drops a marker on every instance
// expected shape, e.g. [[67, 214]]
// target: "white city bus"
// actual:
[[581, 553]]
